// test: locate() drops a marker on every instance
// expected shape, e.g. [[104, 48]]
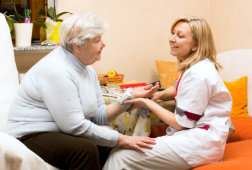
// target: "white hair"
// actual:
[[80, 28]]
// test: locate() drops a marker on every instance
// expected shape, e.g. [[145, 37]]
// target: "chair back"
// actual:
[[8, 70]]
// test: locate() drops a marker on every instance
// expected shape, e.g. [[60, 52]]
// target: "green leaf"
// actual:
[[18, 17], [9, 22], [50, 13], [42, 12], [41, 23], [62, 13], [59, 20]]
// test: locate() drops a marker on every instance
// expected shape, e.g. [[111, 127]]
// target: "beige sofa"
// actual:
[[13, 154], [238, 151]]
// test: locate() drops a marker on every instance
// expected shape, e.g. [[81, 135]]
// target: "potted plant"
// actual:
[[21, 26], [52, 23]]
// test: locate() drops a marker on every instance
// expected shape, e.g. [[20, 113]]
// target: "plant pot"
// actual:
[[52, 31], [42, 32], [23, 34]]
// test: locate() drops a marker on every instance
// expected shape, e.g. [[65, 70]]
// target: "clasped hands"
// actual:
[[138, 142], [141, 94]]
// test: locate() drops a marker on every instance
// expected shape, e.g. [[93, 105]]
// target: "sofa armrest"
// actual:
[[15, 155]]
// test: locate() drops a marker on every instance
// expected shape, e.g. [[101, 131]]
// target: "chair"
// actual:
[[13, 153]]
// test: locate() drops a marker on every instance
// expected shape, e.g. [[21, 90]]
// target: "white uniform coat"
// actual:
[[203, 105]]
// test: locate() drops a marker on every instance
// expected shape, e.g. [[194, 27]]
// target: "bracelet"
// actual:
[[127, 95]]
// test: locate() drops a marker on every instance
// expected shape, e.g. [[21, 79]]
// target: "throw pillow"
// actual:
[[238, 91], [167, 73]]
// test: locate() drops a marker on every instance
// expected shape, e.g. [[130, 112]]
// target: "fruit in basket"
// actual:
[[112, 73]]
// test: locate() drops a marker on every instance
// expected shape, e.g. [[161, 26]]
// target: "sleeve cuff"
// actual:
[[183, 120]]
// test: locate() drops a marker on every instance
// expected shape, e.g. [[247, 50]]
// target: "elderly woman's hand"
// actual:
[[145, 92], [135, 142]]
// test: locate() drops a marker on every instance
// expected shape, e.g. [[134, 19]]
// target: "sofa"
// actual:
[[238, 151], [14, 155]]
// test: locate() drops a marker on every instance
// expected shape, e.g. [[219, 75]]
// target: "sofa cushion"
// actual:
[[238, 90], [238, 155], [167, 73], [235, 65], [242, 127]]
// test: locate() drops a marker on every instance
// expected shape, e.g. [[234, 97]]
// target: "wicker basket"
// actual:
[[103, 79]]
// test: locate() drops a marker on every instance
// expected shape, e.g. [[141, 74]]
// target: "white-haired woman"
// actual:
[[59, 103], [199, 127]]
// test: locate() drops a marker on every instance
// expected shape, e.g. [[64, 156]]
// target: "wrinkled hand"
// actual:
[[135, 142], [146, 91]]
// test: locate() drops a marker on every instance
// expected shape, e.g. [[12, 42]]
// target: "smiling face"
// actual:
[[90, 53], [181, 41]]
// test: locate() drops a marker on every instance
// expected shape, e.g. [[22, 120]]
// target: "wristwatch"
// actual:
[[127, 95]]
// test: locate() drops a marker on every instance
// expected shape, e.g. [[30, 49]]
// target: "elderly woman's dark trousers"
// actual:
[[64, 151]]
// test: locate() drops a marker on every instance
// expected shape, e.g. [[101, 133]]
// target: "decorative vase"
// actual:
[[52, 31], [23, 34], [42, 32]]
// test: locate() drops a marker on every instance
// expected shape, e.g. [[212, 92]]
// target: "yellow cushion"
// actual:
[[167, 73], [238, 90]]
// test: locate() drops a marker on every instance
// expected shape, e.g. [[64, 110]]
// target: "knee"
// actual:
[[86, 156], [91, 149]]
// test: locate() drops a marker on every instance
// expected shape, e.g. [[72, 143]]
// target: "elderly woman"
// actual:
[[59, 103], [199, 127]]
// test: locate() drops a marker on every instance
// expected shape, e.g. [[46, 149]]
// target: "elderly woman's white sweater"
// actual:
[[59, 93]]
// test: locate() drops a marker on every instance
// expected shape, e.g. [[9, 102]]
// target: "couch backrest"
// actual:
[[236, 64], [8, 70]]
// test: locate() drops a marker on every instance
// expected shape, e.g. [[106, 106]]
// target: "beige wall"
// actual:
[[231, 24], [139, 29]]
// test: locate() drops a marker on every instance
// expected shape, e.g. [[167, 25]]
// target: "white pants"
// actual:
[[161, 156]]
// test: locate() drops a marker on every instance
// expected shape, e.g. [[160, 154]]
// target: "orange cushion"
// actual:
[[243, 126], [158, 130], [238, 155], [238, 90], [167, 73]]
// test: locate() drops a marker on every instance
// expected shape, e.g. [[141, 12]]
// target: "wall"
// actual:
[[139, 32], [231, 24]]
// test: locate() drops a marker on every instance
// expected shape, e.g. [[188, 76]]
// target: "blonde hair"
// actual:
[[203, 38], [79, 29]]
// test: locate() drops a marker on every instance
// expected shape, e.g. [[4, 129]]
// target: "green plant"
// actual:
[[18, 18], [51, 13]]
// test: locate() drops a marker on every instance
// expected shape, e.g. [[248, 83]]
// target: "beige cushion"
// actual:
[[8, 73], [15, 155]]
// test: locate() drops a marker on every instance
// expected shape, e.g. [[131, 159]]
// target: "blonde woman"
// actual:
[[199, 127]]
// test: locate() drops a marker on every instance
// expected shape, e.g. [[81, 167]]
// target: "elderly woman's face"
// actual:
[[91, 52], [181, 41]]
